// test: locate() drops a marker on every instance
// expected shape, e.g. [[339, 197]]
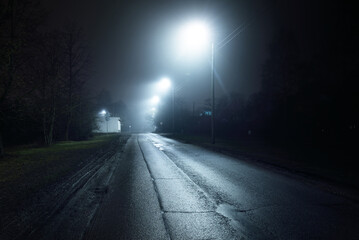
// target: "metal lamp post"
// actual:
[[106, 115], [194, 36], [173, 109], [107, 118], [164, 85], [213, 136]]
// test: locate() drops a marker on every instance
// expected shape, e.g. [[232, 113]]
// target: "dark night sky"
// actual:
[[134, 44]]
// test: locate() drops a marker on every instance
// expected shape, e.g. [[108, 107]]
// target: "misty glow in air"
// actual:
[[164, 84], [193, 39]]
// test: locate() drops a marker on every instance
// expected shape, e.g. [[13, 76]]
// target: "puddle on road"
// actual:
[[230, 212], [159, 146]]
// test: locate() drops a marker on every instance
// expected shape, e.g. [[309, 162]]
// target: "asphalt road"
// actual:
[[164, 189], [159, 188]]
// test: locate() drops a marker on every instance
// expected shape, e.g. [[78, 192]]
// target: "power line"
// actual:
[[231, 36], [237, 31]]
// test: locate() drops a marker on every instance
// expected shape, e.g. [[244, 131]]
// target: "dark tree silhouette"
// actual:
[[18, 21], [77, 60]]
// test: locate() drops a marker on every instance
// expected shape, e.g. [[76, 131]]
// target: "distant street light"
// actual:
[[155, 100], [106, 115], [194, 37], [164, 84]]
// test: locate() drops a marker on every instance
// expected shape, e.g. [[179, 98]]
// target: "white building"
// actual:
[[108, 125]]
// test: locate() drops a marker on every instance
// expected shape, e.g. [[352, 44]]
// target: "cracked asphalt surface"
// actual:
[[159, 188], [170, 190]]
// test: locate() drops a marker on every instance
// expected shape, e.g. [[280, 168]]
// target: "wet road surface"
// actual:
[[171, 190], [163, 189]]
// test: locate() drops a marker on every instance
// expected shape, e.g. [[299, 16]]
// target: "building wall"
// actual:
[[113, 125]]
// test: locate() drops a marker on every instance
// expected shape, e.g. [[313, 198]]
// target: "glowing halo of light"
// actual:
[[193, 38], [164, 84], [155, 100]]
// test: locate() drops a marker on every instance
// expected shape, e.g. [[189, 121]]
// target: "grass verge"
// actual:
[[27, 169]]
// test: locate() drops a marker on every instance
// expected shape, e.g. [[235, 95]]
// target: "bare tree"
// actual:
[[46, 67], [77, 56]]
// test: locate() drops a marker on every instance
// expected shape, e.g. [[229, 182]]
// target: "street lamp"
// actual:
[[193, 38], [164, 84], [106, 115], [155, 100]]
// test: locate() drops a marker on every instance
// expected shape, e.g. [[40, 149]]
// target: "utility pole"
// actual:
[[173, 109], [107, 118], [213, 102]]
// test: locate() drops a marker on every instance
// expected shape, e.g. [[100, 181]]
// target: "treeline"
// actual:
[[43, 75]]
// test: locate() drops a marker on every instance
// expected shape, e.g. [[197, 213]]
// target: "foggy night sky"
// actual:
[[140, 49], [135, 47], [134, 43]]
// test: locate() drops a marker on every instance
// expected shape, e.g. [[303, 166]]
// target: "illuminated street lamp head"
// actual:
[[155, 100], [194, 37], [164, 84], [103, 112]]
